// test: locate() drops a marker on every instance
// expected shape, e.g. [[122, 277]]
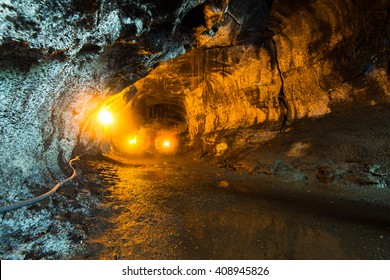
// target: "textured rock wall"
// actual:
[[46, 79], [218, 88], [331, 53], [40, 119], [298, 59]]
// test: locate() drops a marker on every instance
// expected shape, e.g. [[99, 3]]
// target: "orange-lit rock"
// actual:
[[217, 89], [326, 55]]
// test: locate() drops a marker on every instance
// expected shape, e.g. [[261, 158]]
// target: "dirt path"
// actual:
[[179, 209]]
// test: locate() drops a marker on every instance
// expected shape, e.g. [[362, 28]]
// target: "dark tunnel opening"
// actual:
[[194, 18], [165, 111], [161, 118]]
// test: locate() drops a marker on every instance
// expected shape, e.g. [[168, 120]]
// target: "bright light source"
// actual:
[[105, 117], [133, 141], [166, 144]]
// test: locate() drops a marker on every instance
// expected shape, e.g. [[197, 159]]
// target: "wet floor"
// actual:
[[180, 209]]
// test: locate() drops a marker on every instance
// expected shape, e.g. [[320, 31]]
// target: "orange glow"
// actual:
[[133, 141], [131, 144], [105, 117], [166, 144]]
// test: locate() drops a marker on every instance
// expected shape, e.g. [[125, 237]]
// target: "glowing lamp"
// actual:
[[133, 141], [105, 117], [166, 144]]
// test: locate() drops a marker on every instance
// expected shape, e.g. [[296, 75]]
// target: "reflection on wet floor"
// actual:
[[169, 210], [263, 233]]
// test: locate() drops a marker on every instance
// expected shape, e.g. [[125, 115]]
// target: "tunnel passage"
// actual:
[[136, 124], [210, 73], [257, 70], [165, 113]]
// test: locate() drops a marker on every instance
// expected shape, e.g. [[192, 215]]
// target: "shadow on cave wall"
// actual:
[[346, 40]]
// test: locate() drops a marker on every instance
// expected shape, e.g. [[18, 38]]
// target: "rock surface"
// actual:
[[58, 61], [311, 58]]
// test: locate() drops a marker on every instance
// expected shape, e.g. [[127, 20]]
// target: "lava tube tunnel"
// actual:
[[144, 126], [194, 129]]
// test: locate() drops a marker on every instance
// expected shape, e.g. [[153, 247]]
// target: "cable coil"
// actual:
[[43, 196]]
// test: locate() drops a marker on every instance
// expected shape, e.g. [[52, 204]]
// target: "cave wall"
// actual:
[[58, 61], [218, 88], [37, 139], [264, 70], [332, 54]]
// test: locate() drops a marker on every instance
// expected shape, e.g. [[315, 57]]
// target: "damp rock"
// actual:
[[223, 184], [221, 148], [286, 172]]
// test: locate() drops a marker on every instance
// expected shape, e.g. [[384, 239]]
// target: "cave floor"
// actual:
[[320, 190], [177, 208]]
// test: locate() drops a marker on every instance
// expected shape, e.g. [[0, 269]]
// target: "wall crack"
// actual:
[[281, 95]]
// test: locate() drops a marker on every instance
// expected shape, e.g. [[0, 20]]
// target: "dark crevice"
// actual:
[[86, 6], [358, 5], [281, 95], [194, 18], [89, 48], [233, 17]]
